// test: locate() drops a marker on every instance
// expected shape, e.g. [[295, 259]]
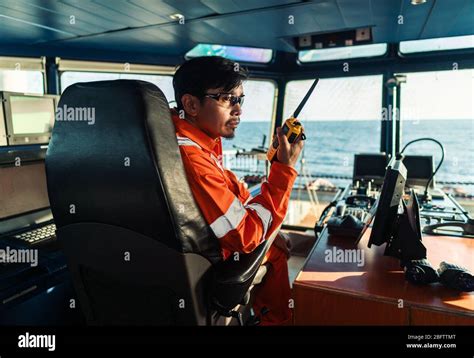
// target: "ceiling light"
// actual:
[[417, 2], [176, 17]]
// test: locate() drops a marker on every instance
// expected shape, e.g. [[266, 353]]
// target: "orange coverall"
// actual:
[[239, 221]]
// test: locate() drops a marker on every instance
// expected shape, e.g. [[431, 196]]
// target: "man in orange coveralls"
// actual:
[[209, 96]]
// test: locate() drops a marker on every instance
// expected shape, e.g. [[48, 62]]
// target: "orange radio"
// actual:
[[292, 127]]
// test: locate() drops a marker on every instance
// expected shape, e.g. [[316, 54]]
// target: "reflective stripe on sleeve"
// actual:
[[184, 141], [264, 214], [230, 220]]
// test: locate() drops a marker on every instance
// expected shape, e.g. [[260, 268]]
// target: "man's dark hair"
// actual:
[[200, 74]]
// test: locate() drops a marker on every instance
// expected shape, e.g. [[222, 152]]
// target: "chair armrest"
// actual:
[[233, 278]]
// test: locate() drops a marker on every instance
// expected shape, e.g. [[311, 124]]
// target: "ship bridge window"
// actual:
[[23, 75], [440, 105], [235, 53], [82, 71], [342, 53], [245, 153], [165, 83], [437, 44], [341, 118]]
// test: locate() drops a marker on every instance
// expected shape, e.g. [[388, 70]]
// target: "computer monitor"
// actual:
[[420, 168], [22, 189], [396, 222], [369, 167], [388, 203], [29, 118]]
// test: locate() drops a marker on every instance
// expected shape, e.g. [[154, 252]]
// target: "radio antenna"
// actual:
[[305, 99]]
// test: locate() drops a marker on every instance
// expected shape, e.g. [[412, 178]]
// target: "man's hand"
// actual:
[[288, 153]]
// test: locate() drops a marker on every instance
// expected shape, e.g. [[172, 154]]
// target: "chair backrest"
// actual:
[[137, 246]]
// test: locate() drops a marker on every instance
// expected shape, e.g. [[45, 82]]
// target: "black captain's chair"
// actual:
[[137, 246]]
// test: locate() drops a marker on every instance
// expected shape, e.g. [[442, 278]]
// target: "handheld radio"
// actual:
[[292, 127]]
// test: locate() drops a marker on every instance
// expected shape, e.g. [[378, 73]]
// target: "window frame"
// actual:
[[105, 67], [331, 75], [329, 78], [274, 108], [405, 120], [275, 101], [60, 74], [65, 66], [37, 64]]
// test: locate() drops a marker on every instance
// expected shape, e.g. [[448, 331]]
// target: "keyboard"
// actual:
[[38, 235]]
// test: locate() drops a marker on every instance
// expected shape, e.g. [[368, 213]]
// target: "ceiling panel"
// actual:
[[191, 9], [90, 17], [328, 15], [145, 26], [57, 16], [450, 18], [228, 6], [413, 19], [231, 29], [356, 13], [385, 15], [15, 32]]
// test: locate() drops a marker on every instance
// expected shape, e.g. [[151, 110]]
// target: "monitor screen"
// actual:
[[370, 166], [31, 114], [397, 222], [388, 203], [420, 168], [22, 189], [29, 118]]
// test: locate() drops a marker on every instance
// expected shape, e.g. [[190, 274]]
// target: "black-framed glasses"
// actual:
[[226, 98]]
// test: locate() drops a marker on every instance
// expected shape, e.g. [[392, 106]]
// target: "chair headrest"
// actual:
[[113, 158]]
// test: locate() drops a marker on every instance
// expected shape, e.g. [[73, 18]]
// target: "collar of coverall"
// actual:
[[186, 129]]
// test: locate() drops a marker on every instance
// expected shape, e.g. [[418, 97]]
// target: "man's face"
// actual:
[[217, 117]]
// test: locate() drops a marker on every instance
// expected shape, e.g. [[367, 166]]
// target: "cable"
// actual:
[[440, 162]]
